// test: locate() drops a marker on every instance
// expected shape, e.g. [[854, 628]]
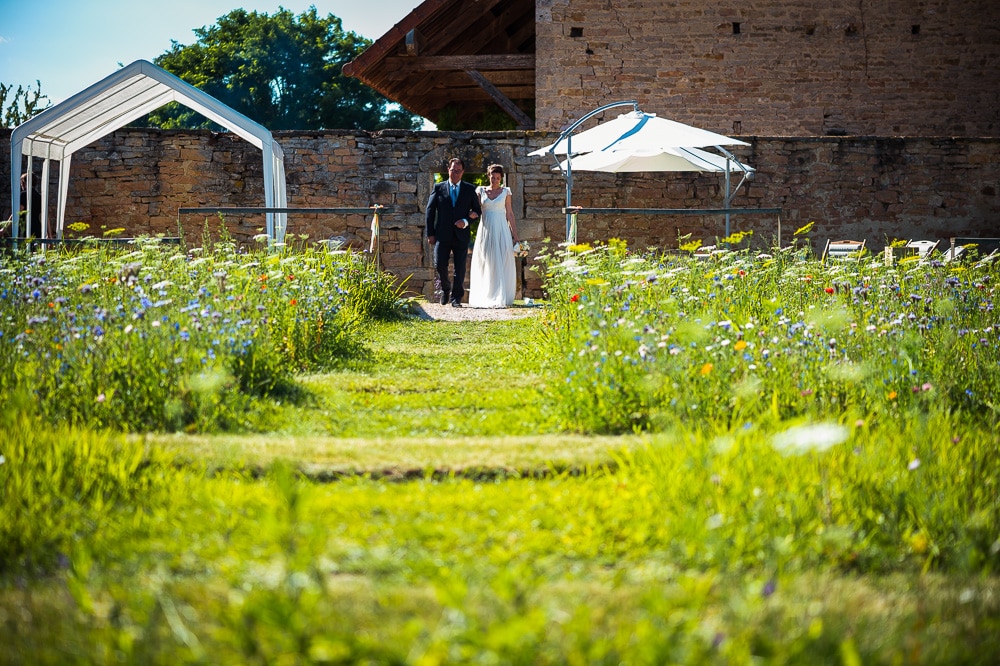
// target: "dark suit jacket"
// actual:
[[441, 215]]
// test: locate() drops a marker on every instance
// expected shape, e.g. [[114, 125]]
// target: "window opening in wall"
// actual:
[[914, 29], [736, 28], [476, 179], [576, 32]]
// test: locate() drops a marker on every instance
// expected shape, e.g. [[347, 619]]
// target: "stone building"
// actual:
[[767, 68]]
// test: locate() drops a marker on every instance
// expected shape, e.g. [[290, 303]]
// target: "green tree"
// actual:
[[25, 103], [283, 71]]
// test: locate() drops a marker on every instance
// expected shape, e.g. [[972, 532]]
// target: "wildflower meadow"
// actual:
[[740, 341], [155, 338], [214, 455]]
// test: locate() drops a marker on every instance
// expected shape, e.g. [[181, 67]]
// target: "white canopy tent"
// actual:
[[113, 102]]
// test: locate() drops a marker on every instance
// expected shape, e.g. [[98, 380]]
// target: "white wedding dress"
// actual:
[[492, 277]]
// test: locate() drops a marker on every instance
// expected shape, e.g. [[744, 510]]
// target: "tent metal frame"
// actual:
[[115, 101]]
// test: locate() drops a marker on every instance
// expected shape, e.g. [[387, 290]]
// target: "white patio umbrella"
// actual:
[[637, 130], [652, 159], [639, 141]]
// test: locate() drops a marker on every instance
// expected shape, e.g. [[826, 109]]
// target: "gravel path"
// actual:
[[426, 310]]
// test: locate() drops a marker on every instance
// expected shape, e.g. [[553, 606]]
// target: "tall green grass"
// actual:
[[62, 486], [832, 501], [682, 555]]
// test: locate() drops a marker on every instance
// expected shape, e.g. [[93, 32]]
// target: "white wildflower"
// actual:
[[811, 437]]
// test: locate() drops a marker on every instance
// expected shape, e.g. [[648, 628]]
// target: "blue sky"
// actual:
[[71, 44]]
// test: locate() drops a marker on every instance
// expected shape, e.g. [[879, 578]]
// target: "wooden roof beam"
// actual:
[[511, 109], [456, 31], [525, 34], [410, 79], [493, 29], [449, 84], [487, 62]]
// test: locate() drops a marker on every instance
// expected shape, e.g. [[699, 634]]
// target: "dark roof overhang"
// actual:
[[462, 55]]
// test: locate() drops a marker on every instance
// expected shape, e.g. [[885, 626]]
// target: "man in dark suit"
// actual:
[[450, 211]]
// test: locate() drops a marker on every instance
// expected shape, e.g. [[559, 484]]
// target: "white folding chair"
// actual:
[[844, 250], [922, 248]]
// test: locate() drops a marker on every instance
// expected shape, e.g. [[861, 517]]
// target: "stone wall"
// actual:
[[776, 67], [874, 188]]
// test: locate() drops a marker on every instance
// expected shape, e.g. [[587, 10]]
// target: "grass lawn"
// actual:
[[423, 503]]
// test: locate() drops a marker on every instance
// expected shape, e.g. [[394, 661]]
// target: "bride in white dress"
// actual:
[[492, 276]]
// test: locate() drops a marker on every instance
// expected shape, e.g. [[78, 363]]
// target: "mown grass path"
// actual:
[[430, 397]]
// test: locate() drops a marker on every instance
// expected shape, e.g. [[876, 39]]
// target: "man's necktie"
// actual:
[[454, 194]]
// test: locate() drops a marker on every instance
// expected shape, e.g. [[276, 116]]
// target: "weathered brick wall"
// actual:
[[873, 188], [797, 67], [878, 189]]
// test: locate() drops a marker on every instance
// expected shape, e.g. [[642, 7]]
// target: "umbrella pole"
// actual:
[[567, 134], [728, 196], [569, 187]]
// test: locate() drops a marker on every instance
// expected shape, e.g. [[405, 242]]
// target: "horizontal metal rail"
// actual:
[[264, 210], [672, 211], [983, 244], [173, 240]]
